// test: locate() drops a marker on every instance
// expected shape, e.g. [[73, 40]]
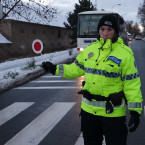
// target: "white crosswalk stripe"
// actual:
[[13, 110], [52, 82], [55, 87], [56, 81], [50, 76], [144, 111], [80, 141], [34, 132]]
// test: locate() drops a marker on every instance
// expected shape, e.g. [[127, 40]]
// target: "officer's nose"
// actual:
[[105, 32]]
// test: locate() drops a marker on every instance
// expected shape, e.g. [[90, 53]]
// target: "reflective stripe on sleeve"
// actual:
[[103, 72], [79, 65], [130, 77], [134, 105], [99, 103], [61, 70]]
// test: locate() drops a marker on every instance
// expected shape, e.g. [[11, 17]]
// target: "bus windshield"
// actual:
[[87, 25]]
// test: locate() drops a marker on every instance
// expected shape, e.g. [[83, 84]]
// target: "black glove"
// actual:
[[49, 67], [85, 94], [83, 83], [134, 121], [116, 98]]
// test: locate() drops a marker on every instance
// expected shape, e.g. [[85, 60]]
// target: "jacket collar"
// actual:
[[119, 40], [105, 44], [108, 42]]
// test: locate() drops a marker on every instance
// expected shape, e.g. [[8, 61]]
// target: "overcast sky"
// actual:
[[128, 8]]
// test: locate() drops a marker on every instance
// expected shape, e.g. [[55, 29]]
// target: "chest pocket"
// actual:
[[112, 73], [112, 68]]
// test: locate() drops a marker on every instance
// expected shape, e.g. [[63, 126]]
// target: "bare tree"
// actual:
[[133, 28], [37, 11], [129, 25], [141, 13]]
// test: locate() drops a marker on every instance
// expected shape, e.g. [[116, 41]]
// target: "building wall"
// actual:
[[22, 34], [5, 29], [5, 52]]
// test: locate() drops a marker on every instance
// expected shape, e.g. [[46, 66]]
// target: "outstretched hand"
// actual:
[[49, 67]]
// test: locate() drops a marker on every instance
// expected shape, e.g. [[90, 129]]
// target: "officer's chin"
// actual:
[[105, 38]]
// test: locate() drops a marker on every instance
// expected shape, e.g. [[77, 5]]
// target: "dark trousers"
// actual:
[[114, 129]]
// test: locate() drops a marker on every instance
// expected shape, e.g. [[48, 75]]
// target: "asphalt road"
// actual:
[[46, 111]]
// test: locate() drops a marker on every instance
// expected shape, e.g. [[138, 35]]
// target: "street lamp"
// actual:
[[115, 5]]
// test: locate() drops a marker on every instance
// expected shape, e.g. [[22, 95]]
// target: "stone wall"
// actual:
[[22, 34]]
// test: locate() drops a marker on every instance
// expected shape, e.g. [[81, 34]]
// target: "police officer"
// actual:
[[112, 84]]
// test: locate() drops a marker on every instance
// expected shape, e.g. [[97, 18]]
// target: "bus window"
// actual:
[[88, 24]]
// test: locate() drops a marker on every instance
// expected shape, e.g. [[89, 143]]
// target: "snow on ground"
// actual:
[[20, 71]]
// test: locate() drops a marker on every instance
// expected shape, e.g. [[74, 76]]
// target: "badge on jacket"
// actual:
[[114, 59], [90, 54]]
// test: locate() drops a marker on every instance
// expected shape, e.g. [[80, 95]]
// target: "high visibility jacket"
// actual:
[[108, 68]]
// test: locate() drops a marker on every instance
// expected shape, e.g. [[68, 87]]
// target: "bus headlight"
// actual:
[[80, 49]]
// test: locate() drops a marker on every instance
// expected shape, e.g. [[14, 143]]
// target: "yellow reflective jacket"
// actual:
[[108, 68]]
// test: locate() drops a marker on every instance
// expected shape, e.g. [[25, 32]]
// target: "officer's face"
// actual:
[[106, 32]]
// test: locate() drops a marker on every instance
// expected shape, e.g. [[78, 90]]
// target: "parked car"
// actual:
[[138, 37]]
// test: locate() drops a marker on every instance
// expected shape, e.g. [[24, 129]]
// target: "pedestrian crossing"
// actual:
[[53, 80], [34, 132], [52, 87], [13, 110], [41, 126], [80, 141]]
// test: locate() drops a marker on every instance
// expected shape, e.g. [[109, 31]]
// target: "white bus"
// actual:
[[87, 27]]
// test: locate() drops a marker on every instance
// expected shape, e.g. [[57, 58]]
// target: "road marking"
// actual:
[[80, 140], [54, 87], [34, 132], [13, 110], [50, 76], [144, 111], [56, 81]]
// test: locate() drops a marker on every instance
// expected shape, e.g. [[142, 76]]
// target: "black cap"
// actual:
[[109, 20]]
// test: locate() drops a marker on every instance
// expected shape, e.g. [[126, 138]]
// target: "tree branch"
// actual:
[[10, 10]]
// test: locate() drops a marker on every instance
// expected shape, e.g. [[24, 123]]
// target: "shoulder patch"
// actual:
[[90, 54], [127, 48]]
